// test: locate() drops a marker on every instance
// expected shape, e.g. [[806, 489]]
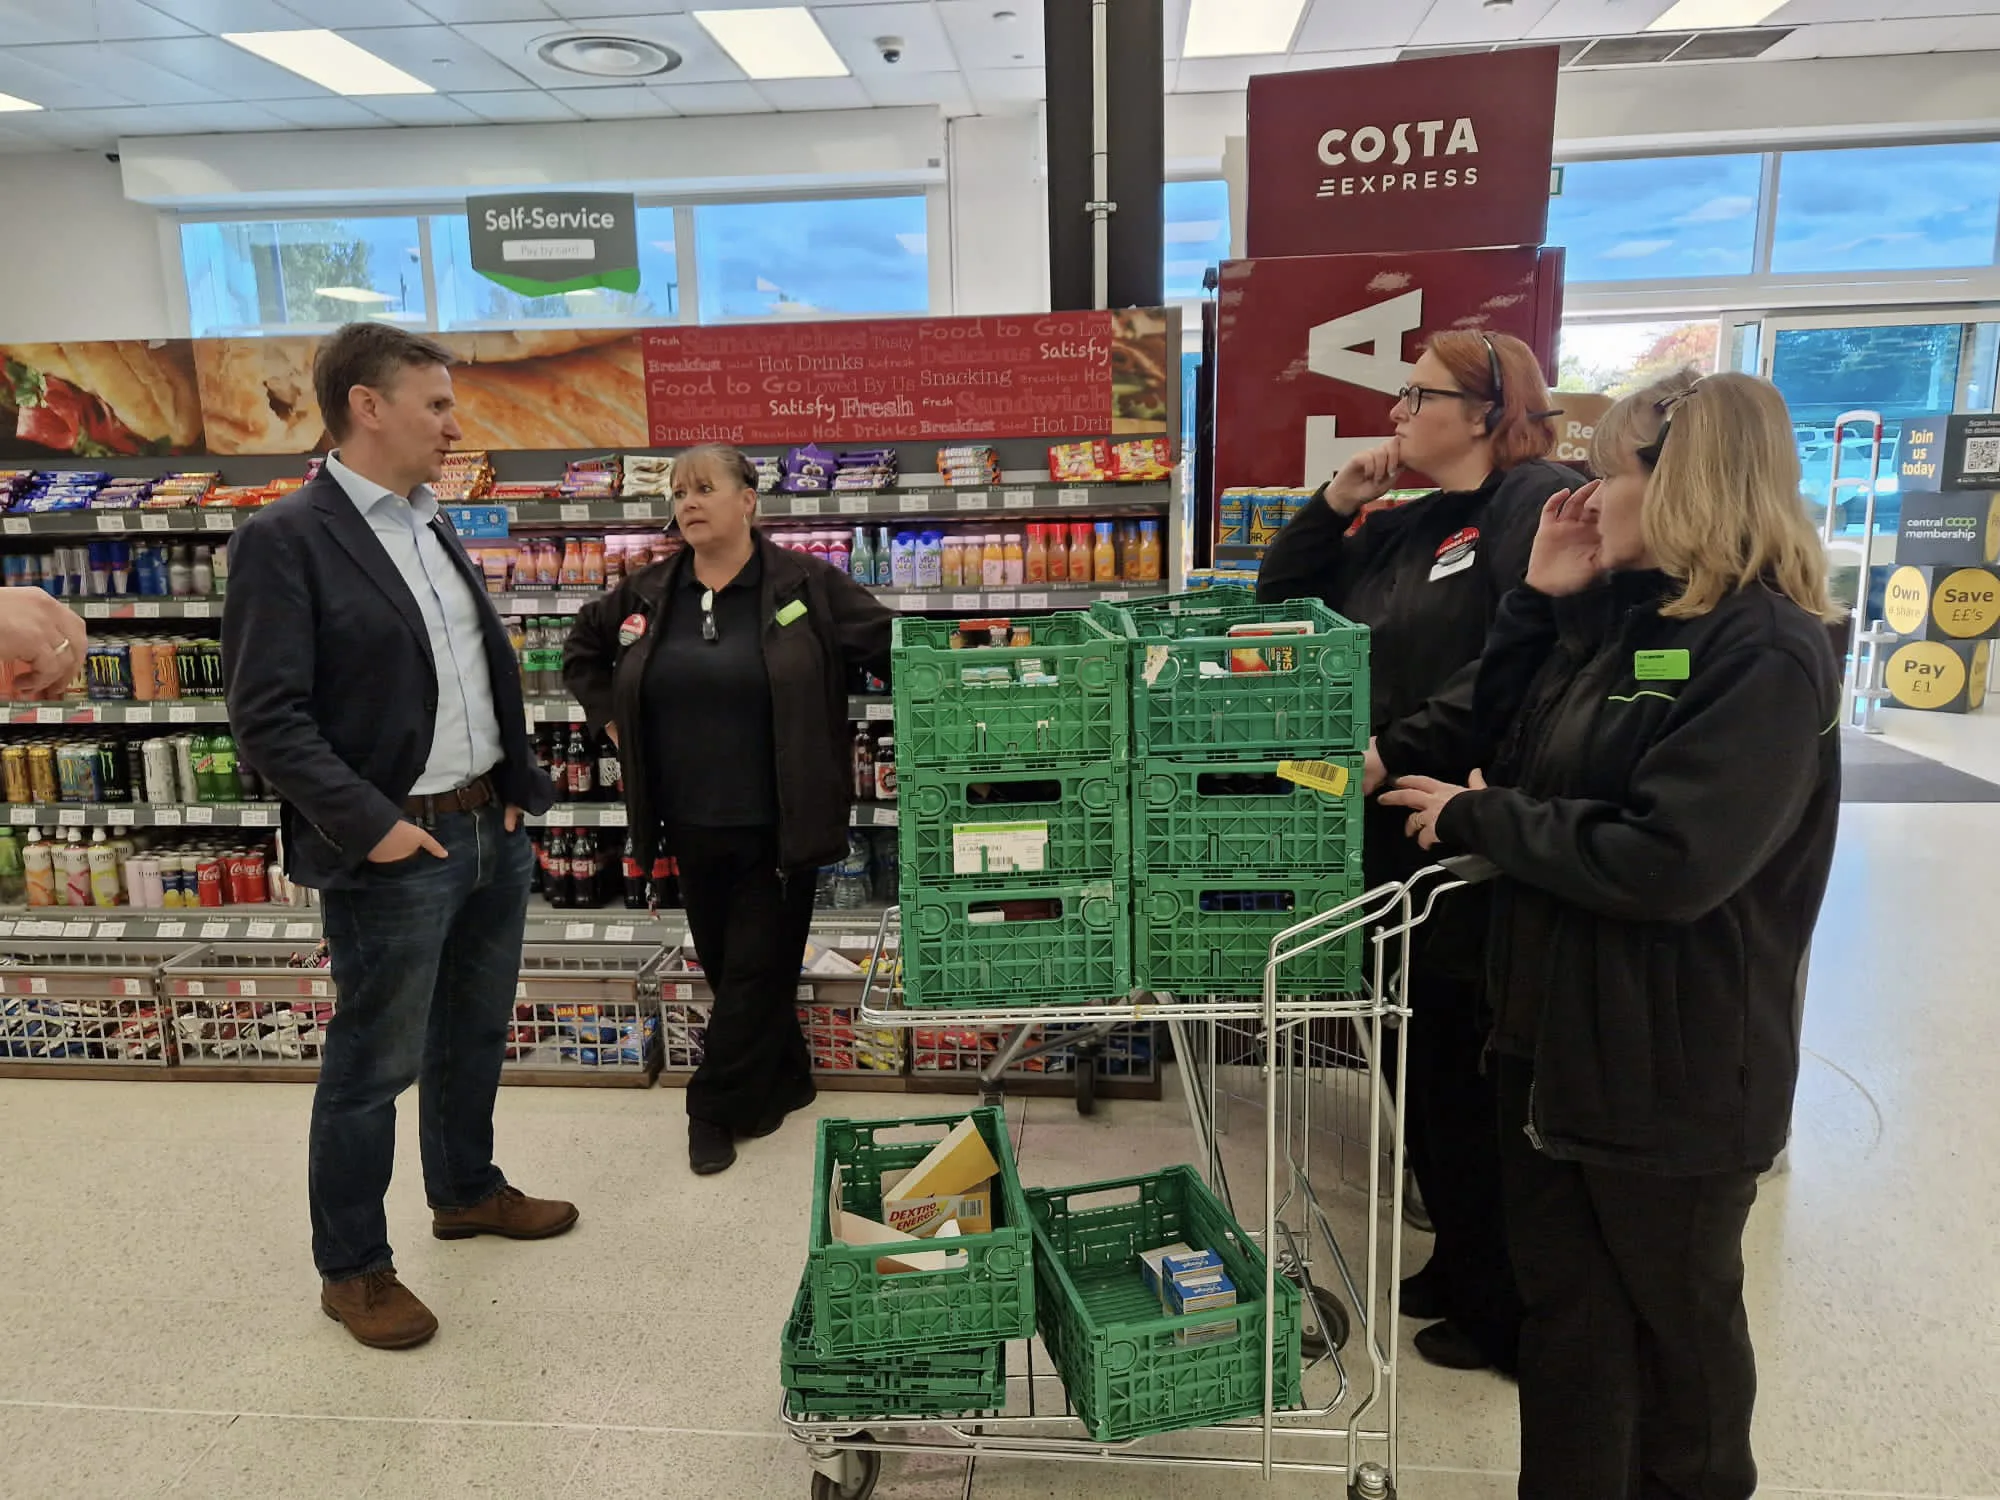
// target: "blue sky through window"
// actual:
[[809, 259], [1888, 208], [1658, 217], [1197, 234]]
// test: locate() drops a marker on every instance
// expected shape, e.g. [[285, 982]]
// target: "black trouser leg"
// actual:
[[1637, 1376], [749, 923], [1453, 1117]]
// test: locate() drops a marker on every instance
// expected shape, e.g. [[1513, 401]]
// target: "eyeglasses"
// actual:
[[708, 615], [1412, 396]]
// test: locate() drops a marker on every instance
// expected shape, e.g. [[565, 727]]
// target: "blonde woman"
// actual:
[[1656, 715]]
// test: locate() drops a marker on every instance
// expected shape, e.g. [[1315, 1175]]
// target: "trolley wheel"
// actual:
[[871, 1471], [1332, 1318], [992, 1098], [1086, 1081]]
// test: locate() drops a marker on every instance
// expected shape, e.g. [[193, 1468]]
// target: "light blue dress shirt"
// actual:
[[465, 742]]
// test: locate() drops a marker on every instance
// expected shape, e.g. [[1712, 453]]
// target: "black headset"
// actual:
[[1498, 409]]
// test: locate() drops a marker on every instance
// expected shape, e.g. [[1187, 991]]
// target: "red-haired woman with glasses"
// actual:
[[1428, 578]]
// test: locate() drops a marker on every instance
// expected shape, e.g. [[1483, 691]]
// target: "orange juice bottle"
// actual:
[[1036, 559], [1079, 552], [1014, 558], [992, 561], [1104, 557], [1058, 551], [1149, 552]]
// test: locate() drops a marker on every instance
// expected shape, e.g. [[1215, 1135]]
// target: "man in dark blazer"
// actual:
[[372, 684]]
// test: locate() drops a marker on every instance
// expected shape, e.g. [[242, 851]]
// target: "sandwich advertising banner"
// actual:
[[544, 244], [1091, 374]]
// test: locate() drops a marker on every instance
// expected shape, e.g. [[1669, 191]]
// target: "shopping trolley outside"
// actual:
[[1300, 1041]]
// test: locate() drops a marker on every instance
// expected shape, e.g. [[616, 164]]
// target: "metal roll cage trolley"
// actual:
[[1290, 1034]]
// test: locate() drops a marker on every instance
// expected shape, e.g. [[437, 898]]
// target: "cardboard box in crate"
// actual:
[[1272, 817], [69, 1003], [1211, 934], [859, 1312], [1199, 691], [970, 710], [1130, 1369]]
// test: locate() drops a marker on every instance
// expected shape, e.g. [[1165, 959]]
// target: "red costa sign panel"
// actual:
[[1080, 374], [1442, 153], [1312, 350]]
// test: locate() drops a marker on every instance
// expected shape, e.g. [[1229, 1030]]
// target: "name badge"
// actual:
[[1660, 666]]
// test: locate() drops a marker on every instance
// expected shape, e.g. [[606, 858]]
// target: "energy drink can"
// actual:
[[112, 785], [14, 774], [162, 784], [42, 785], [76, 773], [187, 788], [187, 667], [209, 661], [166, 670], [144, 687]]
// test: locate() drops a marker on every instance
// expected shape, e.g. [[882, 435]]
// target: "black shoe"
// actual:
[[710, 1149], [797, 1096], [1450, 1347], [1422, 1296]]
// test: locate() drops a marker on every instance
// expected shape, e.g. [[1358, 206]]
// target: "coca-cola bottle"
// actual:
[[583, 869], [610, 779], [555, 870], [582, 770], [635, 875]]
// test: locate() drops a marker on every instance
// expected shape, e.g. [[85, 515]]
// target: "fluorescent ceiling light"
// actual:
[[1240, 28], [352, 294], [1714, 15], [329, 60], [8, 104], [782, 42]]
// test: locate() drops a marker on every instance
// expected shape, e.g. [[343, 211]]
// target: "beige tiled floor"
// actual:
[[158, 1333]]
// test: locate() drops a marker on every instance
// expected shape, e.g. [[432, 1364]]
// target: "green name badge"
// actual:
[[1660, 666], [796, 611]]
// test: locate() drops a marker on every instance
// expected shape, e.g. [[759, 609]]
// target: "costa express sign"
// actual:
[[1444, 153], [1312, 350]]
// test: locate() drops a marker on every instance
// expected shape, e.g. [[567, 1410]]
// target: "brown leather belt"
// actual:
[[476, 793]]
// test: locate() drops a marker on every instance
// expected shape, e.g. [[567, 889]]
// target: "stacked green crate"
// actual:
[[1246, 788], [1015, 817]]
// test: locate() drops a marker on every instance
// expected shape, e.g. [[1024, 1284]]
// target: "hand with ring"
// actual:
[[1426, 800], [44, 641]]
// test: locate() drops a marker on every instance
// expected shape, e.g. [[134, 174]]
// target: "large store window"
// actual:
[[1196, 234], [1887, 208], [468, 300], [1901, 370], [1615, 359], [813, 259], [1657, 218], [259, 274]]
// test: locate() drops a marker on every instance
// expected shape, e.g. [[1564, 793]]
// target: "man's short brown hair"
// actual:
[[369, 354]]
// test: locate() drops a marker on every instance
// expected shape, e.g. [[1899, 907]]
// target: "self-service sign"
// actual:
[[1441, 153], [1312, 350]]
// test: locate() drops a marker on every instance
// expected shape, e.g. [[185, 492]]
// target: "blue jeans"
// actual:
[[426, 956]]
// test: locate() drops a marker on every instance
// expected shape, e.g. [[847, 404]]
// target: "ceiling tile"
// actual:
[[1306, 62], [1006, 90], [632, 101], [979, 40], [1864, 39], [1356, 25], [420, 109], [853, 28], [791, 95], [27, 22], [1811, 12], [346, 15], [946, 90], [713, 98], [229, 72], [1977, 35], [1223, 75], [122, 72], [44, 86], [329, 112], [452, 12], [1597, 18], [448, 62], [178, 119], [218, 16], [1451, 22], [517, 106], [514, 44]]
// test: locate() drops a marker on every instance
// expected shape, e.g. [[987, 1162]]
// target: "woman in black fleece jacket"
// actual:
[[1657, 715], [1427, 579]]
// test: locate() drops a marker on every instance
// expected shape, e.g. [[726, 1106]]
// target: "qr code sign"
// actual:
[[1982, 455]]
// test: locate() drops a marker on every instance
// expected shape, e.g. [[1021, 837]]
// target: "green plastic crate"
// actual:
[[1124, 1363], [1312, 702], [1223, 816], [1083, 813], [858, 1312], [894, 1385], [945, 723], [1081, 949], [1211, 934]]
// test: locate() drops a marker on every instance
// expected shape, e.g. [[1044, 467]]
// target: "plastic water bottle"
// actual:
[[851, 888]]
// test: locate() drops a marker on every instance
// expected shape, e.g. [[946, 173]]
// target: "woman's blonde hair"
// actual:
[[1722, 507]]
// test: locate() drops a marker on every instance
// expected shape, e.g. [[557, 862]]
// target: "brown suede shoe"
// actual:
[[378, 1310], [509, 1213]]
